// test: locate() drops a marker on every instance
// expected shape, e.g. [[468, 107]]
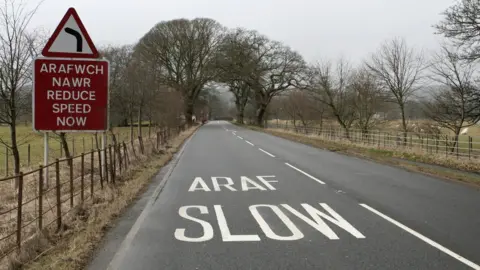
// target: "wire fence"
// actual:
[[463, 147], [32, 153], [32, 204]]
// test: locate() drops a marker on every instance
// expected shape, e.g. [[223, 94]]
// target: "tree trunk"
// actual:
[[131, 127], [124, 122], [344, 126], [15, 153], [260, 114], [240, 112], [189, 105], [455, 142], [96, 141], [63, 141], [404, 124], [149, 126], [139, 119]]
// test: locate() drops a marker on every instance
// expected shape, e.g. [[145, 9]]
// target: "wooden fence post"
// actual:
[[73, 146], [112, 172], [120, 159], [106, 164], [140, 140], [40, 198], [70, 161], [6, 161], [470, 144], [92, 160], [114, 159], [28, 155], [100, 168], [125, 155], [82, 183], [19, 210], [446, 145], [59, 203]]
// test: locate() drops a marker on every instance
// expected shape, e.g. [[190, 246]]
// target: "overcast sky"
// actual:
[[316, 28]]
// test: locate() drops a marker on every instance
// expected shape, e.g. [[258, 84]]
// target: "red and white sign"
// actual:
[[70, 95], [70, 39]]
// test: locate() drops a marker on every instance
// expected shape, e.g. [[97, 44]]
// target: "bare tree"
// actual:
[[185, 54], [329, 85], [297, 104], [278, 69], [16, 55], [399, 70], [368, 98], [451, 105], [462, 24], [121, 95], [238, 57]]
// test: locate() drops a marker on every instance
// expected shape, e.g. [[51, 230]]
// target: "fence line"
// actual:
[[27, 154], [467, 147], [37, 205]]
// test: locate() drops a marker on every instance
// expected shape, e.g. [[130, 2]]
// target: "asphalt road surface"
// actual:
[[239, 199]]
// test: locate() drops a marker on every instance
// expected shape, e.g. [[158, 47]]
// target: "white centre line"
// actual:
[[266, 152], [249, 143], [425, 239], [240, 137], [312, 177]]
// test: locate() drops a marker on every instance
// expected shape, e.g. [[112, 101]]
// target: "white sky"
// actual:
[[315, 28]]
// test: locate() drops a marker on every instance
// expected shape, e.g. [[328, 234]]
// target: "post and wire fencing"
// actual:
[[32, 153], [442, 145], [40, 205]]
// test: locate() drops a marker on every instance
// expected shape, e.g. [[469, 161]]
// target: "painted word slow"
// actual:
[[261, 213], [220, 183]]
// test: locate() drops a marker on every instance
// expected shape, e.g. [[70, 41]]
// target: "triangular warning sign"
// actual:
[[70, 39]]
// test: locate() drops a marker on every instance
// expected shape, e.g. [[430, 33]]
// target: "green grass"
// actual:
[[78, 143]]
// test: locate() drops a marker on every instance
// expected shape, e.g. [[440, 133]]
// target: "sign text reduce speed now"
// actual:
[[70, 95]]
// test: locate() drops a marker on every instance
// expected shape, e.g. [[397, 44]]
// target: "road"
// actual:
[[240, 199]]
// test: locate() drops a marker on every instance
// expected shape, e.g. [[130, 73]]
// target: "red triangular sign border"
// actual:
[[70, 12]]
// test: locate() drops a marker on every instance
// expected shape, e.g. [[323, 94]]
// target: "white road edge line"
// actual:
[[423, 238], [266, 152], [249, 143], [312, 177], [240, 137]]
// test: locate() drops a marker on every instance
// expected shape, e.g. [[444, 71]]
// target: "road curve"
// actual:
[[239, 199]]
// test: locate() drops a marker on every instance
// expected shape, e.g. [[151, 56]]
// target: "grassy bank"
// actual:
[[436, 165]]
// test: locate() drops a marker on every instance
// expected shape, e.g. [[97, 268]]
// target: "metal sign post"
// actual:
[[45, 159]]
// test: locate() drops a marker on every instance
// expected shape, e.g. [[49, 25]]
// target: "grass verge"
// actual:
[[431, 164], [73, 247]]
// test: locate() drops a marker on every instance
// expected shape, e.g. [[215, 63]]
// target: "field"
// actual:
[[389, 133], [27, 138]]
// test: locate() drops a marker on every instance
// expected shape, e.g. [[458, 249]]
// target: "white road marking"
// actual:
[[227, 236], [312, 177], [266, 152], [240, 137], [207, 228], [296, 233], [250, 143], [423, 238]]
